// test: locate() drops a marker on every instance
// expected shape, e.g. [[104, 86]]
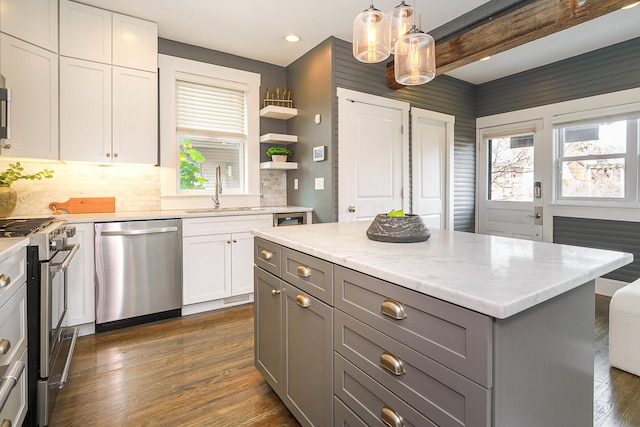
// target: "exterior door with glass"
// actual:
[[509, 191]]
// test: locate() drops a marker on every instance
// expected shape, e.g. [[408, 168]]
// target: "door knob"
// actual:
[[351, 209], [536, 216]]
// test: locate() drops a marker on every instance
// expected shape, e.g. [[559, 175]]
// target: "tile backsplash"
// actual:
[[136, 188]]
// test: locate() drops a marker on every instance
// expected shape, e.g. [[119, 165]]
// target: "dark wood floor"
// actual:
[[198, 371]]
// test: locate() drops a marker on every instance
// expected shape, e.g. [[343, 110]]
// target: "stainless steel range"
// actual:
[[50, 343]]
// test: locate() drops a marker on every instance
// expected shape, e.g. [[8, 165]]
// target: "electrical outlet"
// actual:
[[295, 183], [319, 183]]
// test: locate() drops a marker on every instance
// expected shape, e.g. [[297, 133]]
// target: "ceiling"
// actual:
[[255, 29]]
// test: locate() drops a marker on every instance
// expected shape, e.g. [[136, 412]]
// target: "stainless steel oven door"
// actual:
[[54, 298], [56, 341]]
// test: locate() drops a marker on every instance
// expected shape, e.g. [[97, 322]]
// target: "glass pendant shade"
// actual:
[[415, 58], [371, 36], [401, 18]]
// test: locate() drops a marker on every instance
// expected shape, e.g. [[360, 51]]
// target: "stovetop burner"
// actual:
[[23, 227]]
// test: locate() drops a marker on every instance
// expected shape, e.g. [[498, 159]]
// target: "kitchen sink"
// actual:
[[214, 210]]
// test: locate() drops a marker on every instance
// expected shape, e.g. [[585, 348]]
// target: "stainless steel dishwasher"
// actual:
[[138, 272]]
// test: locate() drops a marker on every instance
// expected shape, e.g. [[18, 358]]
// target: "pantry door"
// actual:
[[509, 191], [373, 155]]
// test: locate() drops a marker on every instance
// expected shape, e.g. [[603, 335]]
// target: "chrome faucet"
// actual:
[[216, 199]]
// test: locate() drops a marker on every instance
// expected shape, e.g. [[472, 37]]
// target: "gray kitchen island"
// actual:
[[460, 330]]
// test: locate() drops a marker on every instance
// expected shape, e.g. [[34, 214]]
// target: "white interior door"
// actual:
[[373, 155], [509, 204], [432, 167]]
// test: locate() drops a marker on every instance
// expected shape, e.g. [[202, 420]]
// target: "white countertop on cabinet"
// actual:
[[11, 246], [496, 276], [177, 213]]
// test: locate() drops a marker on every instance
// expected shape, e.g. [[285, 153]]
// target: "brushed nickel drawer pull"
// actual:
[[5, 345], [266, 255], [303, 301], [4, 280], [391, 417], [275, 292], [393, 309], [5, 423], [392, 364], [304, 271]]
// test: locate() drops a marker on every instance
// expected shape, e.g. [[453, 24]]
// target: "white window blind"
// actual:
[[210, 109]]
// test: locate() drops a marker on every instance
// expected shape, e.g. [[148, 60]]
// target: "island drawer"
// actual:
[[344, 417], [442, 395], [267, 255], [370, 401], [308, 273], [458, 338]]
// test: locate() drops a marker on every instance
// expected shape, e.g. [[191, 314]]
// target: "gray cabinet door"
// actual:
[[268, 328], [307, 387]]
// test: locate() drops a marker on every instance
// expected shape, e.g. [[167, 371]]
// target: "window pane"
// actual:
[[511, 168], [602, 178], [595, 139], [203, 155]]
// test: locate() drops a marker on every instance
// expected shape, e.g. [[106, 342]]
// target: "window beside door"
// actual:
[[597, 160]]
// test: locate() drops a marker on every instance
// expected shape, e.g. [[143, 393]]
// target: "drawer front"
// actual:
[[345, 417], [442, 395], [451, 335], [15, 408], [14, 269], [370, 401], [13, 326], [267, 255], [310, 274]]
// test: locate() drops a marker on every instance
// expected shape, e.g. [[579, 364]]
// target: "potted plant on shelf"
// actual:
[[8, 196], [278, 154]]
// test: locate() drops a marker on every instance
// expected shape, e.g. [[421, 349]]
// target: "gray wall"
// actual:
[[309, 78], [610, 69]]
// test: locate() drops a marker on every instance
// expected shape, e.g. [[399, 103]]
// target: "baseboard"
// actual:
[[217, 304], [607, 287]]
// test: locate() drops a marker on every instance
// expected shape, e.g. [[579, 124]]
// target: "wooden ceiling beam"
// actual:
[[524, 24]]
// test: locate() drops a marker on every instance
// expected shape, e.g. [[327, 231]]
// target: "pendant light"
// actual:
[[371, 36], [401, 18], [415, 58]]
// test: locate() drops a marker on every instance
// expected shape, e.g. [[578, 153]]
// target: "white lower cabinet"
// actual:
[[218, 258], [82, 302]]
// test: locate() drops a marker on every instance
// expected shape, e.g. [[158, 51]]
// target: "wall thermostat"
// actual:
[[318, 153]]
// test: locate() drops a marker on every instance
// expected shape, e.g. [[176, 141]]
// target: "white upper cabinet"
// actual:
[[135, 43], [135, 116], [34, 21], [32, 74], [85, 32]]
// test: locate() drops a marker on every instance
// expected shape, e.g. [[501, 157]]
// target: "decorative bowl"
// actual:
[[398, 229]]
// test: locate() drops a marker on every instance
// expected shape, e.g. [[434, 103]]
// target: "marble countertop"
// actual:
[[496, 276], [177, 213], [10, 246]]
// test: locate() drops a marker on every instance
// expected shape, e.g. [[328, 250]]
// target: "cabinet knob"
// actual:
[[275, 292], [4, 280], [304, 271], [5, 345], [393, 309], [392, 364], [6, 423], [351, 209], [235, 241], [303, 301], [228, 241], [108, 154], [115, 154], [266, 255], [391, 417]]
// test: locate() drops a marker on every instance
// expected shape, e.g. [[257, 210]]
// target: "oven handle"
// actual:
[[67, 363], [9, 379], [62, 266]]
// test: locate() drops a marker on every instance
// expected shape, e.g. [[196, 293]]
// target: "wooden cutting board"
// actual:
[[84, 205]]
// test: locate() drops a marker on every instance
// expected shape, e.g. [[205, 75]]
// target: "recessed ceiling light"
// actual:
[[486, 58], [292, 38], [629, 6]]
